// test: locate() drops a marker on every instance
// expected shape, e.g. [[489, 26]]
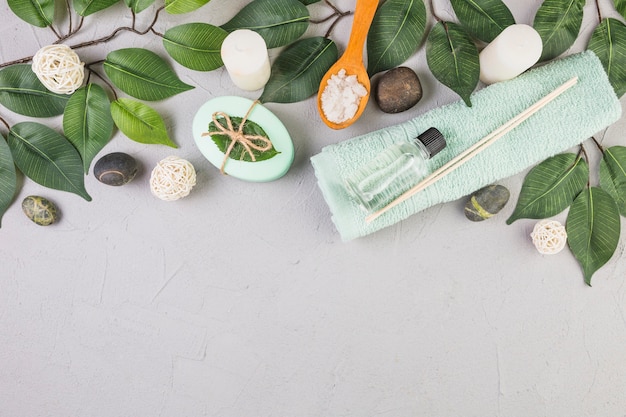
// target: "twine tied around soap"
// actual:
[[237, 136]]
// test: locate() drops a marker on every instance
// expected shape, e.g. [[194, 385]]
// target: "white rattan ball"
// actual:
[[59, 68], [549, 236], [172, 178]]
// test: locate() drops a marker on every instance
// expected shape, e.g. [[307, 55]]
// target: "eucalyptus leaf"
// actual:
[[140, 122], [279, 22], [38, 13], [550, 187], [396, 32], [608, 41], [238, 151], [297, 72], [8, 177], [593, 228], [613, 175], [47, 158], [87, 7], [23, 93], [453, 58], [620, 6], [87, 122], [558, 23], [183, 6], [195, 45], [483, 19], [143, 74], [138, 6]]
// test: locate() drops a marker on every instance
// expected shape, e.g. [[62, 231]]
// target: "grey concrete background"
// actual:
[[241, 300]]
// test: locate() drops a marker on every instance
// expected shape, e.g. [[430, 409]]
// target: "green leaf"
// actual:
[[483, 19], [279, 22], [620, 6], [23, 93], [143, 74], [8, 178], [47, 158], [87, 122], [453, 58], [238, 152], [140, 122], [298, 70], [550, 187], [558, 23], [38, 13], [593, 228], [613, 175], [87, 7], [608, 41], [396, 32], [183, 6], [195, 45], [138, 6]]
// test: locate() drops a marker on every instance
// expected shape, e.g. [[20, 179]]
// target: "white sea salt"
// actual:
[[341, 97]]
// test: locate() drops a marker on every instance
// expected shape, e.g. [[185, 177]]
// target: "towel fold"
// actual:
[[588, 107]]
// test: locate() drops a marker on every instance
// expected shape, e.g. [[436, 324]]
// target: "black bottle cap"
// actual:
[[433, 140]]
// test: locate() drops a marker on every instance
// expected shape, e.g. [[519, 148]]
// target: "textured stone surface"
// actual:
[[486, 202], [398, 90], [40, 210]]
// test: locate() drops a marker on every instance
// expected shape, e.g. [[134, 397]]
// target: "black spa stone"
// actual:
[[116, 169], [486, 202]]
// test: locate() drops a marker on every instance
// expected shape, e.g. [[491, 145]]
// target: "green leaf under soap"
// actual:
[[143, 74], [593, 229], [87, 7], [140, 122], [138, 6], [613, 175], [608, 41], [38, 13], [396, 32], [558, 23], [23, 93], [550, 187], [299, 69], [195, 45], [453, 58], [483, 19], [87, 122], [183, 6], [279, 22], [47, 158], [238, 152], [8, 178]]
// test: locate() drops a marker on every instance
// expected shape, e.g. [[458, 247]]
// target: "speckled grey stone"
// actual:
[[486, 202], [40, 210]]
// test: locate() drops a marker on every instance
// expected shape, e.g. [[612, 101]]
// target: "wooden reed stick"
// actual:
[[475, 149]]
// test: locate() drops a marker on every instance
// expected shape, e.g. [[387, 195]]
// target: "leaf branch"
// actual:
[[337, 15], [432, 11], [598, 144], [4, 122], [103, 79]]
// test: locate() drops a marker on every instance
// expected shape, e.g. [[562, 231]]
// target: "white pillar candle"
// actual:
[[245, 57], [513, 51]]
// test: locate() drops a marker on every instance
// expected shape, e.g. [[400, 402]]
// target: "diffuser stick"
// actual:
[[475, 149]]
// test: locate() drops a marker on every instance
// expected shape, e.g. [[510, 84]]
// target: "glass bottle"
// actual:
[[394, 171]]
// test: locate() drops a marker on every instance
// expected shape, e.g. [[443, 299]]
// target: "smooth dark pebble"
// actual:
[[116, 169], [486, 202], [398, 90]]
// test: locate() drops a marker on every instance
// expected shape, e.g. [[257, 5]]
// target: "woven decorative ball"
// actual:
[[59, 68], [172, 178], [549, 236]]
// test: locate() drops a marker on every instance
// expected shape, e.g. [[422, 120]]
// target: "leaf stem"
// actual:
[[432, 11], [4, 122], [598, 10], [94, 72], [584, 152], [598, 144]]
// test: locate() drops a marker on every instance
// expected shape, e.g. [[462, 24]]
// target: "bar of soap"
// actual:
[[260, 171]]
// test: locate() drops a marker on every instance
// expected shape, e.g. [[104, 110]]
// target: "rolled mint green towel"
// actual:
[[576, 115]]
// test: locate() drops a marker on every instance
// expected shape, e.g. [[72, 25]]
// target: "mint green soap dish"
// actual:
[[259, 171]]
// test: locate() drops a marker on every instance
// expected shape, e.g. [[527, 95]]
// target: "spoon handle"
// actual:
[[363, 16]]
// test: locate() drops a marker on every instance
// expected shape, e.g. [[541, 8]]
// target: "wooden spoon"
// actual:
[[352, 60]]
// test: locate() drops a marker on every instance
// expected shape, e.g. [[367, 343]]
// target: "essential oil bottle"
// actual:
[[394, 171]]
